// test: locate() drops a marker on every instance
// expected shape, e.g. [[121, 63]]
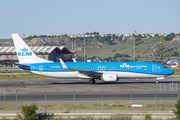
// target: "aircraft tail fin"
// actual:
[[177, 64], [24, 52]]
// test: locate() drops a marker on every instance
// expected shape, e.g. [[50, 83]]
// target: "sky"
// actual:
[[56, 17]]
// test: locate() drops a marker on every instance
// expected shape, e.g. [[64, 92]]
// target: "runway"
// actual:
[[61, 91]]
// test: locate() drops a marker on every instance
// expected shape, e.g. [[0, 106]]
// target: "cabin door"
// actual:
[[101, 68], [153, 68], [41, 69]]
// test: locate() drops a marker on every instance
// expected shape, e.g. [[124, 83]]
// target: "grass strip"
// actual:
[[116, 106], [21, 77]]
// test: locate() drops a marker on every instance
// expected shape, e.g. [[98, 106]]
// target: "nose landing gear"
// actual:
[[157, 81]]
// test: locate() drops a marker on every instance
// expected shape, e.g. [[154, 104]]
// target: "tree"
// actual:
[[28, 111], [35, 36], [169, 37], [120, 55], [87, 33], [121, 38], [108, 59], [176, 54], [177, 111]]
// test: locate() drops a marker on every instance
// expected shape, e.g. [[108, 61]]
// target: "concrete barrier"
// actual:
[[139, 116]]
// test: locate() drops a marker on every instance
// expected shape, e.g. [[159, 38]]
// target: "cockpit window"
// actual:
[[164, 67]]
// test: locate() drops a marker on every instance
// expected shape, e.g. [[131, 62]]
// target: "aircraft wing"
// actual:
[[88, 73]]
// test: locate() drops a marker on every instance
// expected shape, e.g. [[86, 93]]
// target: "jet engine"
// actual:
[[109, 77]]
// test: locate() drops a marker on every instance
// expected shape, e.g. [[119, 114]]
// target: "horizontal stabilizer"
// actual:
[[23, 65]]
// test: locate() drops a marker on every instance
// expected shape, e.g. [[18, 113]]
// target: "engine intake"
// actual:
[[109, 77]]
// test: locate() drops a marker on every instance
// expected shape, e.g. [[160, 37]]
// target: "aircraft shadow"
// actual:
[[99, 83]]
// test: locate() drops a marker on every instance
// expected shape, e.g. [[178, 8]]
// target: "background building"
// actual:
[[52, 53]]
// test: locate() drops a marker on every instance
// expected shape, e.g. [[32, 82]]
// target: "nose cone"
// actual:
[[170, 71]]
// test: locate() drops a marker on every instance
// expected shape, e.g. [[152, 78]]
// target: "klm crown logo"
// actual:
[[124, 65], [110, 77], [24, 52]]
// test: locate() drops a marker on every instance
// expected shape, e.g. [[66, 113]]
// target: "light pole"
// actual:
[[72, 43], [134, 49], [84, 49], [75, 49]]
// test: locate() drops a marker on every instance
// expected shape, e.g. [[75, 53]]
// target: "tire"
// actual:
[[157, 81], [91, 81]]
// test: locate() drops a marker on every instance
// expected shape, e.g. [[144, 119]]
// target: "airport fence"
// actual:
[[93, 101]]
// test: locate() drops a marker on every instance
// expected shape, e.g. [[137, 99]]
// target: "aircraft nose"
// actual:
[[171, 71]]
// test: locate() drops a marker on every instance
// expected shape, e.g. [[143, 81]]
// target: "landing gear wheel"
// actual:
[[157, 81], [92, 81]]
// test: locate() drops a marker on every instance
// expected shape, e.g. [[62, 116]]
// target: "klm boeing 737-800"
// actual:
[[104, 71]]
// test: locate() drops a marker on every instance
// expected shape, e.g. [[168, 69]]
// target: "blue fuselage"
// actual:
[[122, 69]]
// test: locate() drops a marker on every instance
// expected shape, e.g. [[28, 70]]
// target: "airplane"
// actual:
[[174, 63], [104, 71]]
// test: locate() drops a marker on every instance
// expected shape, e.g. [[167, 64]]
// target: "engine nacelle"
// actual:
[[109, 77]]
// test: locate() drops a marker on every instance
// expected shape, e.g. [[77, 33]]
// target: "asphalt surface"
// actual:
[[54, 91]]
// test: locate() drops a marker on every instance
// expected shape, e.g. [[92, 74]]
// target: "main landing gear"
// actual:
[[157, 81], [92, 81]]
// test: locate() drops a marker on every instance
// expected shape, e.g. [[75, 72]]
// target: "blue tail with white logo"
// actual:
[[24, 52]]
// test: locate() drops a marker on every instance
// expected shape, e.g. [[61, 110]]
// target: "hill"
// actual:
[[113, 48]]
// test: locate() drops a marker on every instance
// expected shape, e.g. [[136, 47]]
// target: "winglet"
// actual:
[[74, 60], [63, 64]]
